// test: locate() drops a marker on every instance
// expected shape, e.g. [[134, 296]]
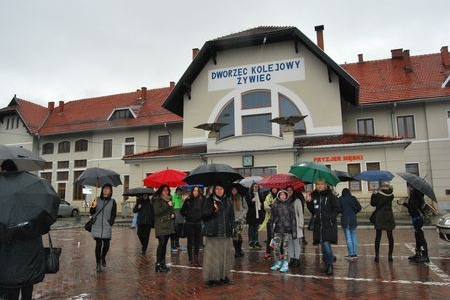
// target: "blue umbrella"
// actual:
[[375, 175]]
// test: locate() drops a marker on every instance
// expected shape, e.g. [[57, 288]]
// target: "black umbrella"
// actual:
[[420, 184], [139, 191], [343, 176], [98, 177], [27, 200], [212, 174], [24, 159]]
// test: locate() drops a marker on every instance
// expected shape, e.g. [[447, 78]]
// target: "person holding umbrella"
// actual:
[[218, 218], [21, 247], [145, 220], [414, 205], [103, 211], [164, 225], [323, 205]]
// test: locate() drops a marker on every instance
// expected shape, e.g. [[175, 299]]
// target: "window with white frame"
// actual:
[[129, 146], [365, 126], [412, 168], [405, 126]]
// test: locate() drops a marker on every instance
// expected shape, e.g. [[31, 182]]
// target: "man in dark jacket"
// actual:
[[414, 205]]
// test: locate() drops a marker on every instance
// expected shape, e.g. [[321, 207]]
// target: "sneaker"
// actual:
[[284, 267], [174, 250], [181, 248], [413, 257], [422, 259], [251, 245], [257, 245], [276, 266], [348, 257], [354, 256]]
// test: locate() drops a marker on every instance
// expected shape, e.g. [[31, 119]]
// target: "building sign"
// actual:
[[352, 157], [270, 72]]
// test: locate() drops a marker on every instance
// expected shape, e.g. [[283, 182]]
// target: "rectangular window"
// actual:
[[64, 147], [252, 124], [257, 171], [63, 164], [365, 126], [256, 100], [405, 126], [129, 146], [373, 185], [353, 169], [163, 141], [47, 148], [62, 190], [47, 176], [412, 168], [62, 176], [80, 163], [77, 188], [107, 148], [48, 165]]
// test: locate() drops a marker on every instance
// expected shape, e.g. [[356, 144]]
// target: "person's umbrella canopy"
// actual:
[[311, 171], [375, 175], [98, 177], [171, 177], [248, 181], [281, 181], [24, 159], [343, 176], [138, 191], [26, 197], [419, 184], [212, 174]]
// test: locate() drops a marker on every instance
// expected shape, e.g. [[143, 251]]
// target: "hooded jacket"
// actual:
[[283, 216], [324, 206], [382, 201], [104, 214]]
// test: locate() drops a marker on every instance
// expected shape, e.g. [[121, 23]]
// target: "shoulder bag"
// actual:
[[52, 255], [88, 225]]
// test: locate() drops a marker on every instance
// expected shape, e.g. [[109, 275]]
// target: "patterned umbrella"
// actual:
[[281, 181]]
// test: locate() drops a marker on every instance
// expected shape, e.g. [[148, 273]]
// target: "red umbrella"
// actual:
[[281, 181], [171, 177]]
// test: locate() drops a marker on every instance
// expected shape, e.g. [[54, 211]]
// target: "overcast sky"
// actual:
[[52, 50]]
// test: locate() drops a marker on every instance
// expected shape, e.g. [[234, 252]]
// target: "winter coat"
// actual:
[[382, 201], [192, 210], [146, 215], [164, 224], [324, 206], [104, 218], [349, 206], [22, 262], [283, 217], [299, 217], [414, 203], [220, 223], [268, 202], [251, 213]]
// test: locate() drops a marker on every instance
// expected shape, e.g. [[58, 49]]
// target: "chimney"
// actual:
[[319, 32], [61, 106], [445, 58], [397, 53], [407, 61], [360, 58], [194, 52], [172, 85], [144, 93], [51, 105]]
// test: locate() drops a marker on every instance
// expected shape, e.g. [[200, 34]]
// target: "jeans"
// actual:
[[352, 241], [253, 233], [327, 252]]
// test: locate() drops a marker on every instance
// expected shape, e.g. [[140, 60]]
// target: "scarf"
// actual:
[[257, 204]]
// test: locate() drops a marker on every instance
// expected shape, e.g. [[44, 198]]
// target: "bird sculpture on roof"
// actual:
[[213, 128], [289, 122]]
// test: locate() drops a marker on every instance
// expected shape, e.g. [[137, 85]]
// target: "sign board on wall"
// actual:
[[349, 157], [271, 72]]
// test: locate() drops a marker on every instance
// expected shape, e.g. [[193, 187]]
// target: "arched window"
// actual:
[[288, 108], [64, 147], [81, 145], [47, 148], [227, 116]]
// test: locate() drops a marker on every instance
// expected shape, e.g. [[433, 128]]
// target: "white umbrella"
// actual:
[[248, 181]]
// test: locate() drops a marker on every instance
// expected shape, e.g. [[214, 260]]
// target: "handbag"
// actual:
[[88, 225], [373, 217], [311, 223], [52, 255]]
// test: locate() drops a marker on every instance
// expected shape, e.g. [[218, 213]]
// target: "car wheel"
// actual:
[[75, 213]]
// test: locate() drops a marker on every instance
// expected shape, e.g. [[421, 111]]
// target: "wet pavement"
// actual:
[[131, 275]]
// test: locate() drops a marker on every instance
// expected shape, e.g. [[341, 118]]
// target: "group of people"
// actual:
[[215, 221]]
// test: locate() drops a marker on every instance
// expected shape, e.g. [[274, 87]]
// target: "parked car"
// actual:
[[67, 210], [443, 227]]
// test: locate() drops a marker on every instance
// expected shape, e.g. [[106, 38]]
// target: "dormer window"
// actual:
[[122, 113]]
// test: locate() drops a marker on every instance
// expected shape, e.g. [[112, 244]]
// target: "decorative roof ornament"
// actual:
[[213, 128]]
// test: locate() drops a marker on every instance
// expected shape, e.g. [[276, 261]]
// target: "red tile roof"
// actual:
[[386, 80], [33, 115], [170, 151], [346, 138], [93, 113]]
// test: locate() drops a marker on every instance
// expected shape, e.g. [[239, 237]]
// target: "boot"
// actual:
[[159, 267], [377, 252], [329, 269], [166, 268], [277, 264], [196, 263], [391, 250], [284, 266], [99, 267], [291, 262], [236, 249], [103, 262], [421, 258], [241, 253], [296, 262]]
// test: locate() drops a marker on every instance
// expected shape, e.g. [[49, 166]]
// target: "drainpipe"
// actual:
[[430, 168], [393, 119]]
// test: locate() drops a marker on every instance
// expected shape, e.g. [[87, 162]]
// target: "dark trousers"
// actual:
[[162, 246], [13, 294], [194, 239], [101, 248], [174, 238], [269, 237], [378, 239], [421, 243], [143, 233]]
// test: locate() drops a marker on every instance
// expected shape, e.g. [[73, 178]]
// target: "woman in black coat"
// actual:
[[145, 220], [255, 215], [323, 205]]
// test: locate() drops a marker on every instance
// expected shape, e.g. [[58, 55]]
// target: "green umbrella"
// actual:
[[310, 172]]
